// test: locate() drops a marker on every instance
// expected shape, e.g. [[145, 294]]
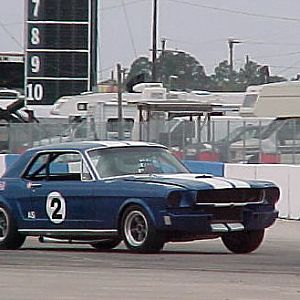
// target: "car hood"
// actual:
[[197, 181]]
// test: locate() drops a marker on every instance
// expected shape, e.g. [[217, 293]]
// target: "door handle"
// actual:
[[34, 185]]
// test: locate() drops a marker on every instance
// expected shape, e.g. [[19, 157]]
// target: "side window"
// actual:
[[58, 166], [86, 175], [38, 169]]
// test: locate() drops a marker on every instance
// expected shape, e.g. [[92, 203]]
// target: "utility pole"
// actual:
[[120, 108], [163, 46], [154, 40], [231, 42]]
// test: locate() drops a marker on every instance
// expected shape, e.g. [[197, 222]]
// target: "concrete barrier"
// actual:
[[285, 176]]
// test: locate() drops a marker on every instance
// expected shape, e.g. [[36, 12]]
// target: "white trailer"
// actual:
[[281, 99]]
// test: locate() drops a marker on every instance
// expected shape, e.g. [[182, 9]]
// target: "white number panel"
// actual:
[[56, 207]]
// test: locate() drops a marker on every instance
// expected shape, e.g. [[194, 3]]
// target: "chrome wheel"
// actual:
[[4, 224], [136, 228], [139, 232]]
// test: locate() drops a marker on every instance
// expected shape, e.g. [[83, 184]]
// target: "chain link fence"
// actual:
[[226, 140]]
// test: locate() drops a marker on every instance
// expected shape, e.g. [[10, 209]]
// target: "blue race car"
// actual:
[[101, 193]]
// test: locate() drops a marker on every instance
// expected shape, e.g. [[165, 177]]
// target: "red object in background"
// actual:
[[269, 158], [21, 150], [208, 156], [179, 154]]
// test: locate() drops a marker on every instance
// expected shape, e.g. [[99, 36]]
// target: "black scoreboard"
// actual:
[[61, 49]]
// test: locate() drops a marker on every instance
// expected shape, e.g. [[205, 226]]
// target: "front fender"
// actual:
[[139, 202]]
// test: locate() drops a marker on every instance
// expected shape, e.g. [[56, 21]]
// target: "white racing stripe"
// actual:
[[215, 182], [238, 183]]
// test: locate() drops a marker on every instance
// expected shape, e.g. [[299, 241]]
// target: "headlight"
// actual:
[[272, 195], [174, 199]]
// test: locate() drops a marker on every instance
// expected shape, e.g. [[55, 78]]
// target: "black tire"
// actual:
[[106, 244], [9, 235], [138, 231], [244, 241]]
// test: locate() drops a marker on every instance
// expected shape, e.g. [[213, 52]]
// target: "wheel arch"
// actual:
[[134, 201], [13, 208], [6, 204]]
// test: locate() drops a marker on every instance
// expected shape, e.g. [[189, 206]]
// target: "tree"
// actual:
[[190, 75], [140, 67], [251, 75], [181, 71], [224, 79]]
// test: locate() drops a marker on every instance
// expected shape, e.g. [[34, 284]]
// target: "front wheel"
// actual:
[[244, 241], [9, 235], [138, 231]]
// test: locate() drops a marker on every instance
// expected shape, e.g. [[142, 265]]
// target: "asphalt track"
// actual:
[[199, 270]]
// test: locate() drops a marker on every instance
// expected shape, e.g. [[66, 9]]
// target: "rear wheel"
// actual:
[[244, 241], [106, 244], [9, 235], [138, 231]]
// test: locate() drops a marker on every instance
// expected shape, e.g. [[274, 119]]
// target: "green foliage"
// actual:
[[181, 71], [141, 65]]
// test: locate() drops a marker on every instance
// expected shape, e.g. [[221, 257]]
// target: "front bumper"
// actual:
[[205, 223]]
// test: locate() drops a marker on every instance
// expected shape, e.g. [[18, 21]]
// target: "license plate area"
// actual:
[[225, 214]]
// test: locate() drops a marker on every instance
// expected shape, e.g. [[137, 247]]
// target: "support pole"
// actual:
[[154, 40], [120, 108]]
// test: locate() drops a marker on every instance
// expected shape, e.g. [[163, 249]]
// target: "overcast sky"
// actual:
[[268, 30]]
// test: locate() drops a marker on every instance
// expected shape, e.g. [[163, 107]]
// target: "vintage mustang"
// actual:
[[101, 193]]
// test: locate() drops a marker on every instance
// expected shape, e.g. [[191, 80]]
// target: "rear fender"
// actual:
[[13, 208]]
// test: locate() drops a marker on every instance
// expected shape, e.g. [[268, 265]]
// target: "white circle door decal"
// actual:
[[56, 207]]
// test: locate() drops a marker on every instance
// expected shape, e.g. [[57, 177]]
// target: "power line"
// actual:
[[238, 12], [194, 43], [271, 56], [10, 35], [120, 5], [288, 68], [129, 29], [281, 67]]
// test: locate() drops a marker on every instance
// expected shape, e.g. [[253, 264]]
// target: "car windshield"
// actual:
[[135, 160]]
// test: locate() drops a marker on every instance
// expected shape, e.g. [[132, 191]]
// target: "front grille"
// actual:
[[242, 195]]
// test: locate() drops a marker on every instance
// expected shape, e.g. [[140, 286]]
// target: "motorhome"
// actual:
[[280, 99], [249, 100], [280, 140], [78, 105]]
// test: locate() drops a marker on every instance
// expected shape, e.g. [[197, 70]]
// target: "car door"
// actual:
[[61, 193]]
